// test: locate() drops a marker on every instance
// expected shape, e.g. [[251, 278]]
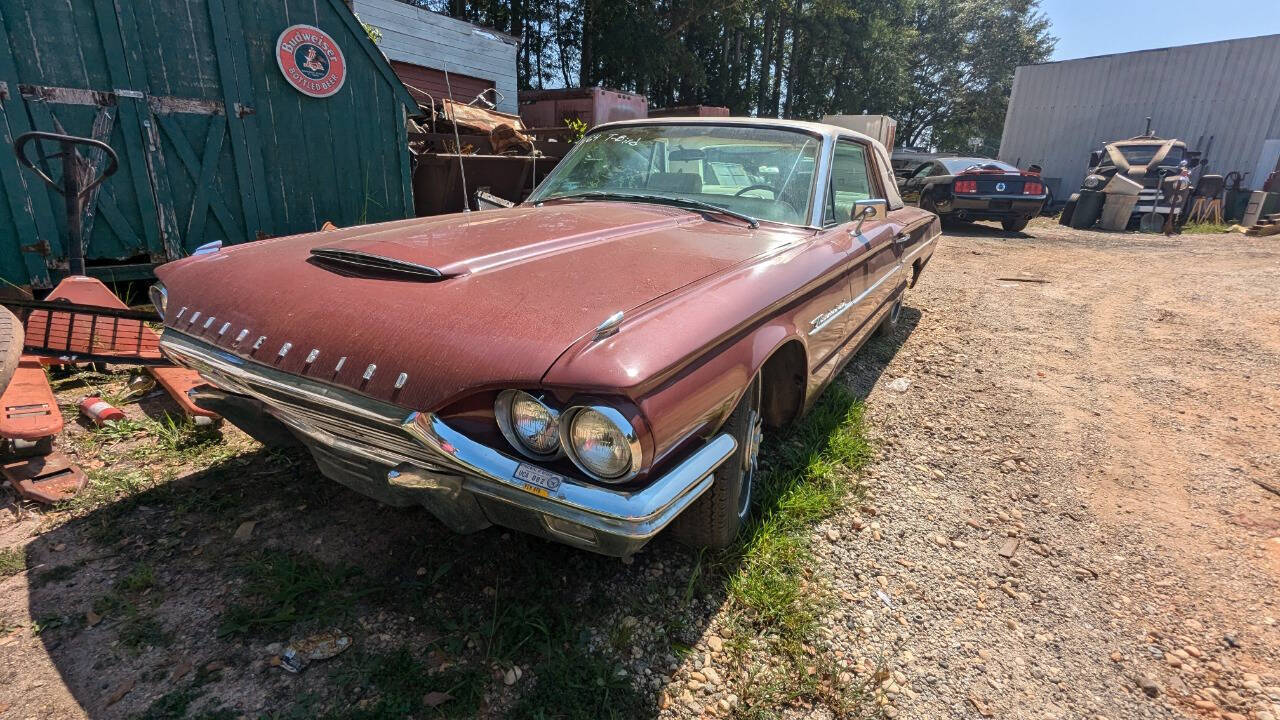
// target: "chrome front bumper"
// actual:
[[406, 458]]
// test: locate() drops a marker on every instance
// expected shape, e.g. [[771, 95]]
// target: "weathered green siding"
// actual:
[[213, 143]]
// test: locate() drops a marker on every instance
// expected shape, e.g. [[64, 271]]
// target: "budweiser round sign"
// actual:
[[311, 61]]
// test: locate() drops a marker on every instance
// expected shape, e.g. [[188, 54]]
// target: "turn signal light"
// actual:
[[1032, 188], [966, 186]]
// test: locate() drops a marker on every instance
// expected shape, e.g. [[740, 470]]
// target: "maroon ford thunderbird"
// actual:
[[592, 365]]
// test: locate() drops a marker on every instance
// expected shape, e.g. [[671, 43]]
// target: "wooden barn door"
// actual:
[[155, 81]]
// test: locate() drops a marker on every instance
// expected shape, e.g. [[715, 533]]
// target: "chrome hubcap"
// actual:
[[750, 460]]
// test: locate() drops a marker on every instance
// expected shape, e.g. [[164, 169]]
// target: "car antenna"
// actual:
[[457, 142]]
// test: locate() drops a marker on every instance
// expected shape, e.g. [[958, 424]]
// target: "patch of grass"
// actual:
[[580, 686], [810, 477], [1205, 228], [141, 578], [123, 607], [11, 562], [282, 589], [397, 684]]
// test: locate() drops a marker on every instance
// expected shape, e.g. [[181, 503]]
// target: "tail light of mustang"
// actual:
[[1032, 188], [966, 186]]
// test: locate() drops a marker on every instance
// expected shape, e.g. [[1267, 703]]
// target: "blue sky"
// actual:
[[1081, 25]]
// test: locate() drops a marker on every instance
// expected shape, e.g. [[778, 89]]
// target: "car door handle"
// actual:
[[901, 238]]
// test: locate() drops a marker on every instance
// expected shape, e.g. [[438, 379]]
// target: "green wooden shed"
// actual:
[[220, 134]]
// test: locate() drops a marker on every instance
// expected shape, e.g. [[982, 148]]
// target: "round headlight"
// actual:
[[159, 297], [1093, 181], [603, 444], [529, 425]]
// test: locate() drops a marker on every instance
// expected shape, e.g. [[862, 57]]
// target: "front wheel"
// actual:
[[714, 519], [1015, 224]]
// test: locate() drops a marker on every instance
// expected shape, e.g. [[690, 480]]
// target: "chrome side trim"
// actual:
[[919, 248], [830, 316], [423, 439]]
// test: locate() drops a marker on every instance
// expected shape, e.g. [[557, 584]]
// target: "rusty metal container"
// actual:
[[593, 105], [691, 111]]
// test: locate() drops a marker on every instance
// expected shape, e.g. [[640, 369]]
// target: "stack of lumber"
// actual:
[[1267, 225]]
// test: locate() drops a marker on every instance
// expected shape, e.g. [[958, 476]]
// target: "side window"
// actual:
[[938, 169], [850, 181], [925, 170]]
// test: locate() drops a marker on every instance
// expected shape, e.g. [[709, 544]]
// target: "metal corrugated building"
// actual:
[[422, 44], [1221, 97]]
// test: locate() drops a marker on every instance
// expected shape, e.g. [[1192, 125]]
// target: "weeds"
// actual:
[[1205, 228], [11, 562], [809, 479], [282, 589], [399, 683]]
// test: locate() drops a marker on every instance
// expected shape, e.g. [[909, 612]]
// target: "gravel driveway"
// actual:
[[1066, 519]]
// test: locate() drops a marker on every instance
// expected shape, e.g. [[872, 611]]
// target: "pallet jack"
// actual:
[[81, 321]]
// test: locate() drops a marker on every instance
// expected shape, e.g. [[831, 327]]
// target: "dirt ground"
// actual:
[[1065, 518]]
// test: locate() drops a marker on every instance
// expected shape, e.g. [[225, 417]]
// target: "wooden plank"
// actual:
[[232, 92], [197, 167], [29, 203], [200, 205], [406, 179], [130, 118], [166, 215], [103, 124], [116, 220], [248, 121]]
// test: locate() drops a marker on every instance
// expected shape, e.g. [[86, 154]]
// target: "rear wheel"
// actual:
[[10, 346], [1015, 224], [890, 321], [714, 519]]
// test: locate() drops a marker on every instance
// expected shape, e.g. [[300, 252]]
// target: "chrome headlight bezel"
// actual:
[[624, 428], [502, 408], [159, 298]]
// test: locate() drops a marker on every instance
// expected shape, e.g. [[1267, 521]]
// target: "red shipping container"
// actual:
[[593, 106]]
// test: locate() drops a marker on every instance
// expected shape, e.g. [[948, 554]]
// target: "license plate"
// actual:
[[536, 478]]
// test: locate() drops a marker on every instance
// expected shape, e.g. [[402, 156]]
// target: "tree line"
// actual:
[[942, 68]]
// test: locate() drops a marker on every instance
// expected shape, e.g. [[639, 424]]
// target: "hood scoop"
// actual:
[[355, 263]]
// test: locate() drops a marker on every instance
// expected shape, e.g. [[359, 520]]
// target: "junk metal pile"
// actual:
[[472, 157]]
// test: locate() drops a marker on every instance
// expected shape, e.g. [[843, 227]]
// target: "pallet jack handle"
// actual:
[[76, 182]]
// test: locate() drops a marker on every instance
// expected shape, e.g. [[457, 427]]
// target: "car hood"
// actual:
[[519, 286]]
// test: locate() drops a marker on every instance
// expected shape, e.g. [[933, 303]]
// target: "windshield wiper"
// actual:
[[662, 200]]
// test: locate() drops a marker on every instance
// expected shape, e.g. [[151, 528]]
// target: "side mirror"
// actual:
[[864, 210]]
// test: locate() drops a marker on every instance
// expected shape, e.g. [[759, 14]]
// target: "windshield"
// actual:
[[764, 173], [1143, 154], [955, 166]]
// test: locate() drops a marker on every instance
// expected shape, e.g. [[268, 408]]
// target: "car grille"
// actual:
[[380, 436]]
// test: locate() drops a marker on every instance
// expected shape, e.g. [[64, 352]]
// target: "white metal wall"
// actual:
[[414, 35], [1229, 90]]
